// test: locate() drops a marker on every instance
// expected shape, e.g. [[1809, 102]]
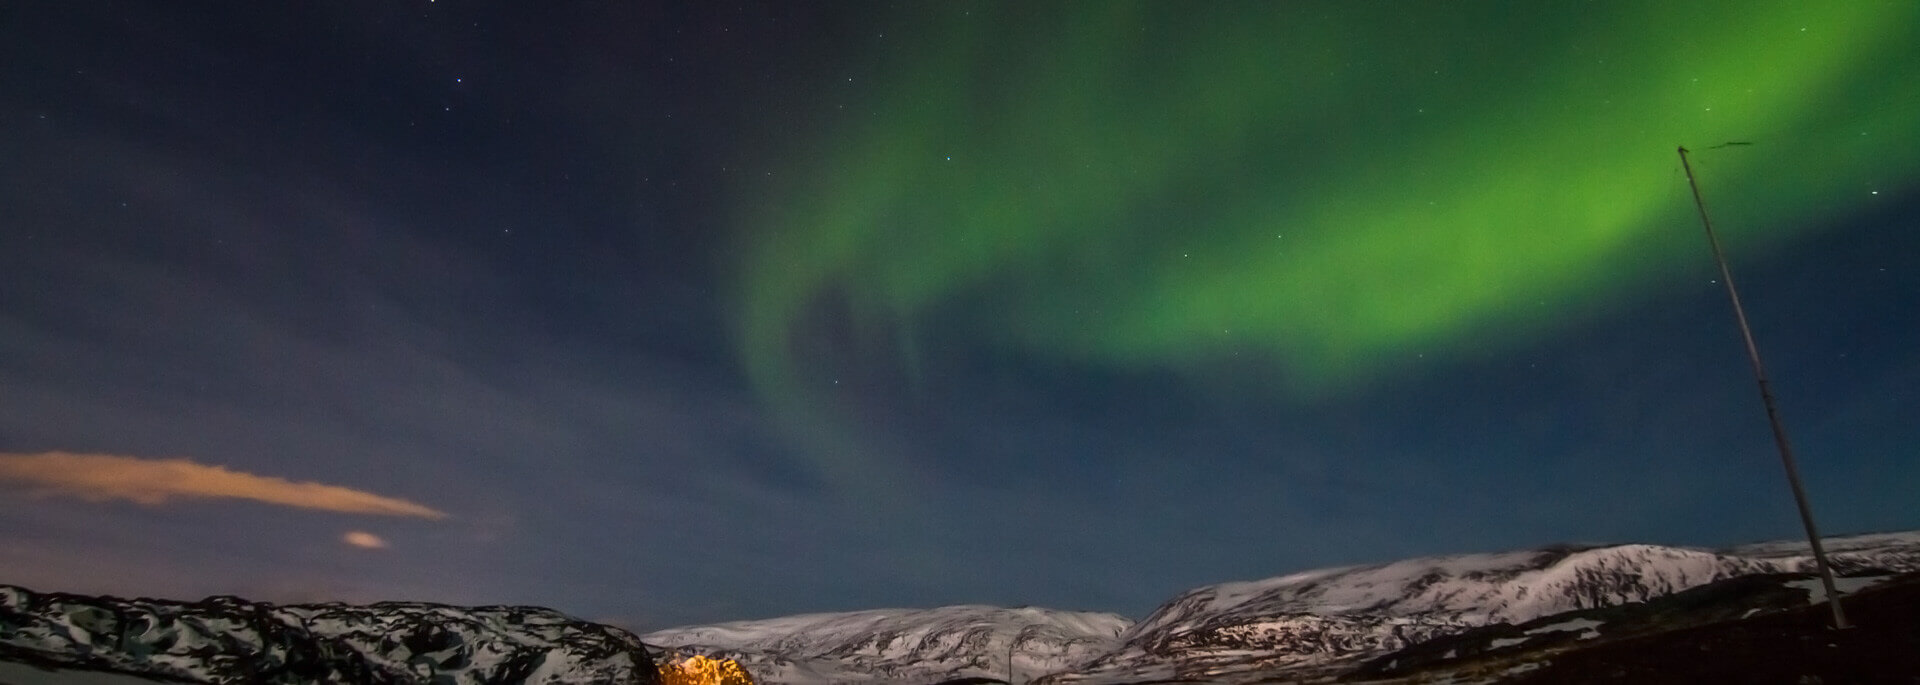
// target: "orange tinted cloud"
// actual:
[[364, 540], [154, 481]]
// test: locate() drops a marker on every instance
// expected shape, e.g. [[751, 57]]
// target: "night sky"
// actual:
[[662, 313]]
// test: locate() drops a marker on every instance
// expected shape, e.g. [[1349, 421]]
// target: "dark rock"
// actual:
[[231, 640]]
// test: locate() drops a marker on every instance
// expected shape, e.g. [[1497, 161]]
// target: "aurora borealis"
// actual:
[[1331, 188], [680, 312]]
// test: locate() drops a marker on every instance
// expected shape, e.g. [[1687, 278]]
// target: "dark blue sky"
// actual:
[[479, 259]]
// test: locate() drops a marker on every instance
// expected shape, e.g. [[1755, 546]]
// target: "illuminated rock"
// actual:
[[703, 670]]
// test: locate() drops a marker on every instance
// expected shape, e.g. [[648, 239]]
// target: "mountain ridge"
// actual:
[[1322, 621], [1311, 624], [905, 645]]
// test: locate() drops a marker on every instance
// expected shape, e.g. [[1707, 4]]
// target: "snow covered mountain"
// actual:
[[1304, 625], [905, 645], [1766, 628], [230, 640], [1322, 622]]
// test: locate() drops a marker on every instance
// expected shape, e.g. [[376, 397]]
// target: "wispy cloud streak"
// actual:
[[155, 481]]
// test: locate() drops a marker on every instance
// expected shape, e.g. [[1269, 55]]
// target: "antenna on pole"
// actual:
[[1766, 396]]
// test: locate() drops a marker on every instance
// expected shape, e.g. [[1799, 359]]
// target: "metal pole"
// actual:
[[1010, 643], [1773, 412]]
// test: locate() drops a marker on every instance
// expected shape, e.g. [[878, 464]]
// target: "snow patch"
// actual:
[[1817, 591], [1523, 668], [1570, 625]]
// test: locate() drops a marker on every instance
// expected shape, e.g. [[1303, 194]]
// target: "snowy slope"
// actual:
[[1322, 621], [229, 640], [1298, 626], [1848, 554], [904, 645]]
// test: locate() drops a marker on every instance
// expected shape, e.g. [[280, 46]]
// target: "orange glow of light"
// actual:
[[703, 670]]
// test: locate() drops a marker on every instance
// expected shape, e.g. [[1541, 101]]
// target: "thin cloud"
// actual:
[[154, 481], [364, 540]]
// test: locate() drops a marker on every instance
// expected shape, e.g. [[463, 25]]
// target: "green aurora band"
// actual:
[[1327, 188]]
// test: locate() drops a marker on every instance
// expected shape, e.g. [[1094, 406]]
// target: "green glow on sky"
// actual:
[[1329, 188]]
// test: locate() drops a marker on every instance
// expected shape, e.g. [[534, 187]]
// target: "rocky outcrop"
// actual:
[[230, 640], [700, 669]]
